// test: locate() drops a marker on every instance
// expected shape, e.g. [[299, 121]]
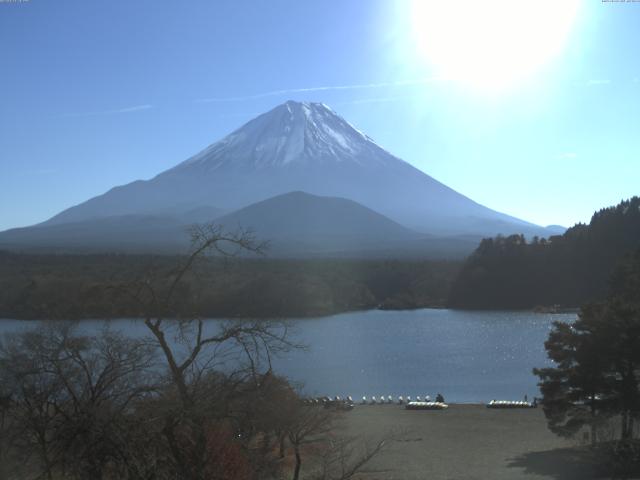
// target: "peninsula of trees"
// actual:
[[567, 270]]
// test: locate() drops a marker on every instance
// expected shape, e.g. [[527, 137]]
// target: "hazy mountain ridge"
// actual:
[[295, 147], [296, 225]]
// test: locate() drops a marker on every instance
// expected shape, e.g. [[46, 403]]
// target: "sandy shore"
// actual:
[[470, 442]]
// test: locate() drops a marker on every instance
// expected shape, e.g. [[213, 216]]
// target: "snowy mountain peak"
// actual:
[[291, 134], [303, 147]]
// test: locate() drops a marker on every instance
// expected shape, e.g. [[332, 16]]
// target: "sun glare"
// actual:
[[491, 44]]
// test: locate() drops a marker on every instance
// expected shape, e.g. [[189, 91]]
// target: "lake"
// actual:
[[468, 356]]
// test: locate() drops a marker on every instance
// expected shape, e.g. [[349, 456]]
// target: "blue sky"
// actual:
[[97, 94]]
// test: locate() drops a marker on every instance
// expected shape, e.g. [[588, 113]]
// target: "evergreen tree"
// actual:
[[597, 373]]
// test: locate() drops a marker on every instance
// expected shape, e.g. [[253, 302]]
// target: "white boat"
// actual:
[[426, 406], [509, 404]]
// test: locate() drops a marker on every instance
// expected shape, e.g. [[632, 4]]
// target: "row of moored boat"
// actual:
[[417, 404], [511, 404]]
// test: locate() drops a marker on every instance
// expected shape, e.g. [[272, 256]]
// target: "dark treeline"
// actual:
[[80, 286], [566, 270]]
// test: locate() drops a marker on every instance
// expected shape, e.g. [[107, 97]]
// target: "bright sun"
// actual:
[[490, 44]]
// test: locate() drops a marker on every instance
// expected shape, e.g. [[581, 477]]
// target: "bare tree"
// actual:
[[331, 455], [345, 457], [71, 396], [194, 351], [212, 408], [308, 425]]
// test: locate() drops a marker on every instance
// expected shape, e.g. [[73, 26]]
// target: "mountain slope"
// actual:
[[299, 214], [298, 221], [295, 224], [303, 147], [120, 233], [139, 233]]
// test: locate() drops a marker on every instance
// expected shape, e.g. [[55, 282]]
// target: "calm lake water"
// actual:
[[468, 356]]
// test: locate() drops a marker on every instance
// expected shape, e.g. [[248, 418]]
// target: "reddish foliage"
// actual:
[[227, 460]]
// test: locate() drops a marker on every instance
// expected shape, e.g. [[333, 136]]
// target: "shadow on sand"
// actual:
[[578, 463]]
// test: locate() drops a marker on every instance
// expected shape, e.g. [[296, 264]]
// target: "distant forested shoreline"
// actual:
[[567, 270], [561, 272], [89, 286]]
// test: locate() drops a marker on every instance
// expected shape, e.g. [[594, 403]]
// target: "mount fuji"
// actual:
[[295, 147]]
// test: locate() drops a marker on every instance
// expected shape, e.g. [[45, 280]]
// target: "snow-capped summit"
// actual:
[[299, 133], [303, 147]]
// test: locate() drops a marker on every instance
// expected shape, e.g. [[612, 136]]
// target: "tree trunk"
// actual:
[[625, 425], [296, 472], [281, 440], [593, 421], [180, 462], [45, 456], [176, 373], [266, 442]]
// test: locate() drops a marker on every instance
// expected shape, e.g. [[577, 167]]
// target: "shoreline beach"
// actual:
[[469, 441]]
